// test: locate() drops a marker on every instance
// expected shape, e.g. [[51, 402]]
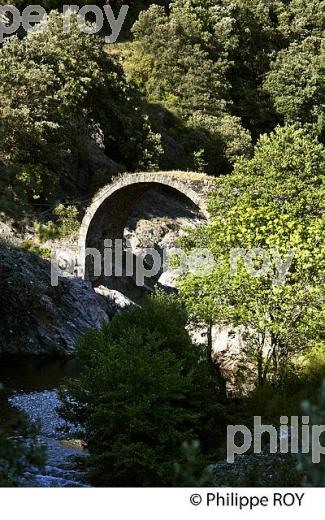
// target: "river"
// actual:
[[30, 385]]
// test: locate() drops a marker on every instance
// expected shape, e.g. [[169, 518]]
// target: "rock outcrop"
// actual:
[[37, 318], [114, 301]]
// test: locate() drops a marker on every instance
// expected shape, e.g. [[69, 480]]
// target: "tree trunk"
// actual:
[[215, 365]]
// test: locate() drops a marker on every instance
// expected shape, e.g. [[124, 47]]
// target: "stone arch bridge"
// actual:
[[107, 215]]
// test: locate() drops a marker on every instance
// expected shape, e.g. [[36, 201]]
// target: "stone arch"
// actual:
[[107, 215]]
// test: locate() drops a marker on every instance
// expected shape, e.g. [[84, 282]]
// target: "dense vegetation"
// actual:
[[234, 89], [56, 93], [145, 391], [201, 81], [270, 210]]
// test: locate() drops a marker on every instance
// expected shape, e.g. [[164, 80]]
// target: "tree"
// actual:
[[57, 91], [133, 13], [271, 210], [181, 61], [296, 83], [255, 39], [222, 139], [302, 18], [207, 59], [144, 391]]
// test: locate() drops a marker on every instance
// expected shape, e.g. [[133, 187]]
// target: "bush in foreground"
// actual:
[[20, 454], [144, 391]]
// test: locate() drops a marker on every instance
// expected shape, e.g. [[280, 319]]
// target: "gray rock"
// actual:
[[60, 469], [168, 281], [37, 318], [98, 160], [115, 301]]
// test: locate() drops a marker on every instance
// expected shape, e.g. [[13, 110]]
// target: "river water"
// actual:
[[30, 385]]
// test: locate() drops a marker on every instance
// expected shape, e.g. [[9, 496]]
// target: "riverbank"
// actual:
[[29, 386]]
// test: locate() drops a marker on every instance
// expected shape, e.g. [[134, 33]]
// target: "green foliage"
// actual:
[[200, 67], [21, 185], [13, 199], [303, 18], [265, 470], [67, 219], [144, 390], [221, 140], [32, 247], [296, 83], [183, 59], [303, 379], [208, 58], [36, 181], [205, 62], [192, 471], [185, 63], [274, 201], [254, 39], [19, 453], [57, 90], [66, 224], [205, 78], [199, 162], [45, 232]]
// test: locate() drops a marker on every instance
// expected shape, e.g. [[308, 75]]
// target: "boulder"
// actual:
[[114, 300]]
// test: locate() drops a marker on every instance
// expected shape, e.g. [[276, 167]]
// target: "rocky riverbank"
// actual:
[[37, 318], [61, 469]]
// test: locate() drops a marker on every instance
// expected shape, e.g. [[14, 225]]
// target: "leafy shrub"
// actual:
[[258, 470], [304, 376], [145, 389], [188, 472], [67, 224], [19, 454], [301, 19], [67, 219], [49, 231], [36, 181], [32, 247]]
